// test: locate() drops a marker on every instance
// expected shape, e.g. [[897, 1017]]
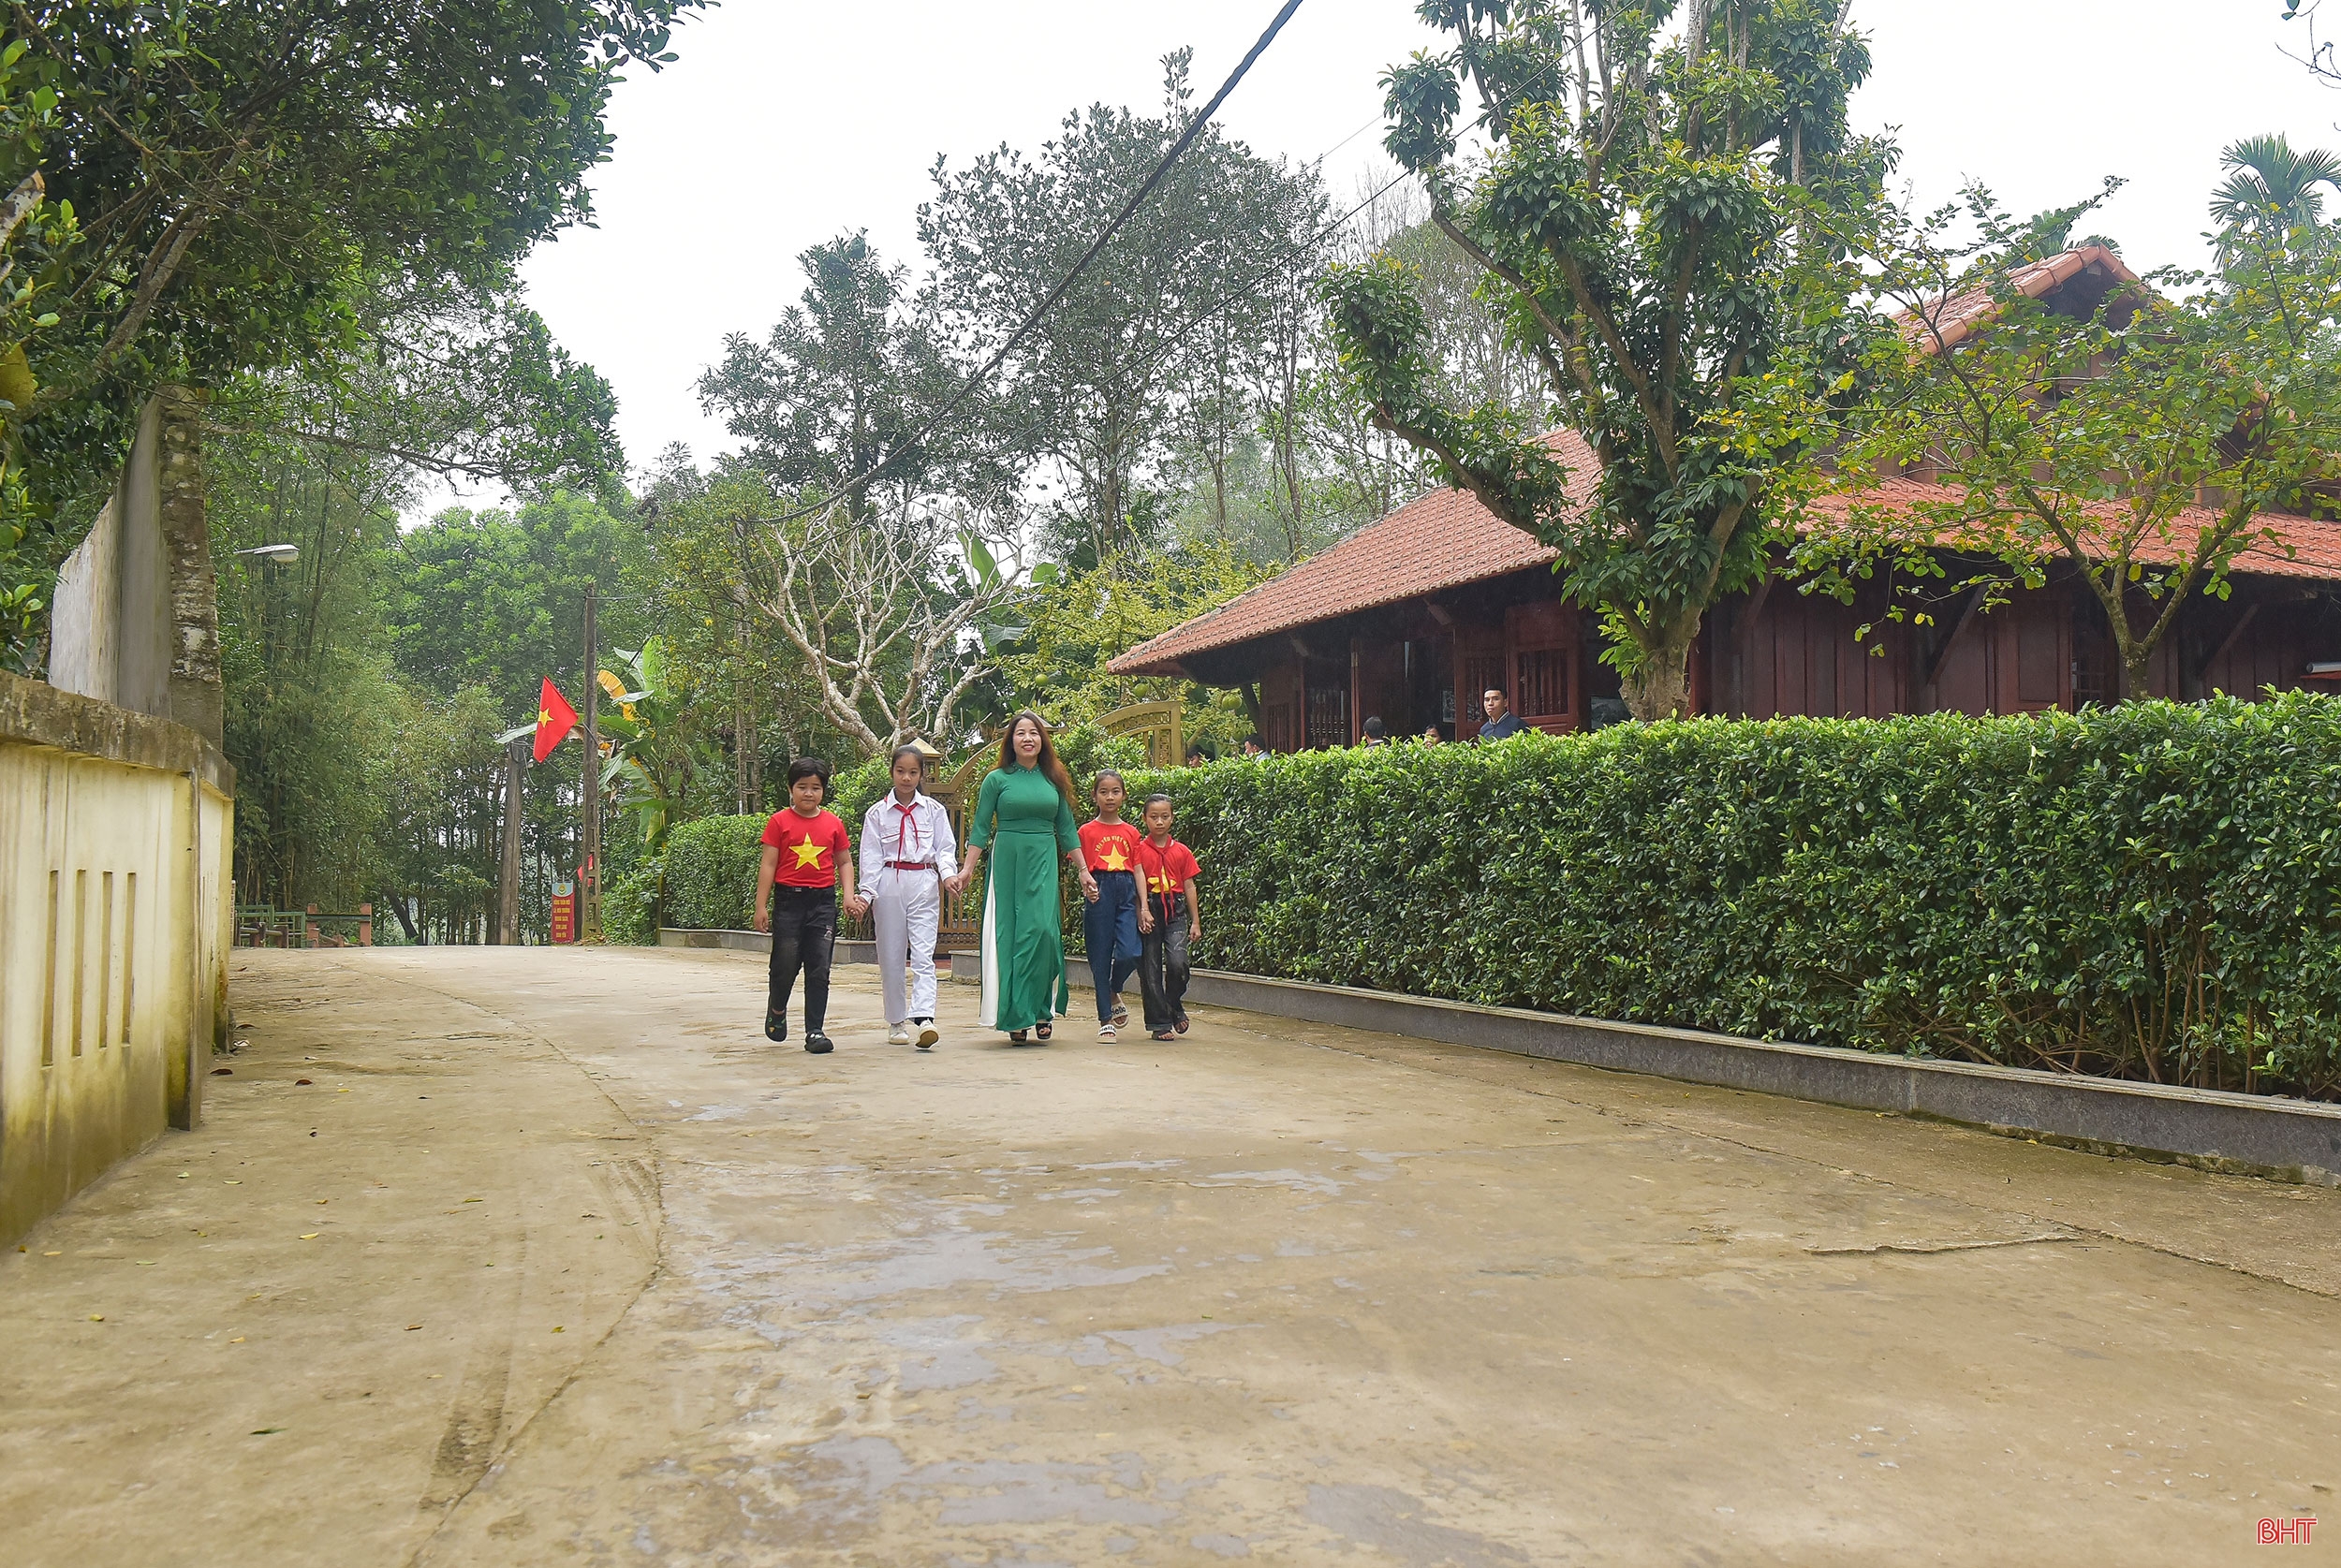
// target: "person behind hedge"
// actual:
[[1173, 918], [1502, 723], [907, 852], [806, 852], [1430, 736], [1025, 815], [1109, 926]]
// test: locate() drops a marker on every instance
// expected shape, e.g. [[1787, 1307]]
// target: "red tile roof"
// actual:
[[2302, 547], [1957, 321], [1446, 539], [1434, 543]]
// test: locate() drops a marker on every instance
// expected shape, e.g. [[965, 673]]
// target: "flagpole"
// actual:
[[509, 883], [589, 874]]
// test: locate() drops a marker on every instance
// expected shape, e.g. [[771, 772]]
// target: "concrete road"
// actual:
[[553, 1260]]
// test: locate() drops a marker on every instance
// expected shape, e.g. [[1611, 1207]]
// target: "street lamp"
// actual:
[[283, 554]]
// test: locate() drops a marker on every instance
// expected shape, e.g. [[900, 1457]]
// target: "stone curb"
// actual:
[[2218, 1130], [2251, 1135]]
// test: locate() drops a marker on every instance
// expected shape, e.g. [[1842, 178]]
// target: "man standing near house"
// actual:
[[1502, 723]]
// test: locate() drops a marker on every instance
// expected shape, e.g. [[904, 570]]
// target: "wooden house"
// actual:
[[1412, 617]]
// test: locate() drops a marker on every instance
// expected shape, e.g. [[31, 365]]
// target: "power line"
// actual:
[[1186, 138]]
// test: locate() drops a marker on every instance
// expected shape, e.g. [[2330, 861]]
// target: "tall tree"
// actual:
[[1172, 327], [1663, 218], [878, 550], [206, 188], [2271, 190]]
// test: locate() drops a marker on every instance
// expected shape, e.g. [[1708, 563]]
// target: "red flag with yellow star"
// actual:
[[555, 718]]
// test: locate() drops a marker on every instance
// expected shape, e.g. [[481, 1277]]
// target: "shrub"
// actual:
[[629, 906], [2152, 891], [711, 873]]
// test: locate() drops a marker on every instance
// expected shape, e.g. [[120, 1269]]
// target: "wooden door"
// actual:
[[1544, 646]]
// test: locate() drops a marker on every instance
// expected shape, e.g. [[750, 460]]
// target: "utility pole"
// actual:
[[509, 883], [589, 874]]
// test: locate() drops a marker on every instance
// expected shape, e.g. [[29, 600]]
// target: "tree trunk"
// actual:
[[1660, 686]]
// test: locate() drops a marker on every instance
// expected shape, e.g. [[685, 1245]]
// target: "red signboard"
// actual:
[[565, 916]]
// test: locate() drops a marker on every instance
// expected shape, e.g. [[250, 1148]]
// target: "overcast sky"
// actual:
[[783, 123]]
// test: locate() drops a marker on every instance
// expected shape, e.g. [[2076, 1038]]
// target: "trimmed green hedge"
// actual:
[[711, 873], [2152, 891]]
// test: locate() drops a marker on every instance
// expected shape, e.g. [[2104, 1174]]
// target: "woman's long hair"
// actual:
[[1050, 768]]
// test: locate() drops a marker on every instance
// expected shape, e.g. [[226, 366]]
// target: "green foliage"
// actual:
[[1079, 621], [2144, 893], [629, 905], [711, 873], [1665, 222], [854, 791], [497, 599], [229, 181], [659, 760], [1084, 748]]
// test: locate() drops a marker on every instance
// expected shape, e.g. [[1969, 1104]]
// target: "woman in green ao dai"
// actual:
[[1023, 820]]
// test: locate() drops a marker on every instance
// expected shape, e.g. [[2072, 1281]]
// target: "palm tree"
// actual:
[[2271, 190]]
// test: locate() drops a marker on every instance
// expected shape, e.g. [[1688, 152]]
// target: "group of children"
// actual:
[[1142, 920]]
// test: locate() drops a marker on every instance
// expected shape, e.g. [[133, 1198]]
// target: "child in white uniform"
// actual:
[[907, 851]]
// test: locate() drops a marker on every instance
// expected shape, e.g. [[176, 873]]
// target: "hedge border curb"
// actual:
[[2214, 1130], [2207, 1129]]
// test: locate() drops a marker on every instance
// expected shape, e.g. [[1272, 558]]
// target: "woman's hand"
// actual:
[[1089, 886]]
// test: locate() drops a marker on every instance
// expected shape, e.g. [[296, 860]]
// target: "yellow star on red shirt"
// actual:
[[808, 853], [1114, 859]]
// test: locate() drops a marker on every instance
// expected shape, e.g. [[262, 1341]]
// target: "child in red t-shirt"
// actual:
[[1171, 919], [1110, 849], [806, 852]]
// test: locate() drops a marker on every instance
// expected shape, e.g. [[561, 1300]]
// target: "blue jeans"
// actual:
[[1110, 932]]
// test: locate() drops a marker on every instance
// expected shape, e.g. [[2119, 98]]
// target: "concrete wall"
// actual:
[[116, 910], [135, 620]]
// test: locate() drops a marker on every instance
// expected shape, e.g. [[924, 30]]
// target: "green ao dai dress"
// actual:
[[1024, 826]]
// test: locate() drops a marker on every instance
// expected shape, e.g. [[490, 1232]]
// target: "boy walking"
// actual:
[[1171, 919], [806, 852], [908, 849], [1110, 849]]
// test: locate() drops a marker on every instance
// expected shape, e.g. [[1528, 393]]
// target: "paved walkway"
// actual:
[[554, 1260]]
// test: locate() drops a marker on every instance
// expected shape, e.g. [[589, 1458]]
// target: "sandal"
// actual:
[[1043, 1030], [775, 1026], [1121, 1014], [1016, 1037]]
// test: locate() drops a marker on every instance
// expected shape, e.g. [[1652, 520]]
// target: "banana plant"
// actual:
[[656, 758]]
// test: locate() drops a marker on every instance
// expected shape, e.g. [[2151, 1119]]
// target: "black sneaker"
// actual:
[[820, 1044], [775, 1026]]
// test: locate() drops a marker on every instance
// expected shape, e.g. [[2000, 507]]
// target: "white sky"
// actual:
[[784, 124]]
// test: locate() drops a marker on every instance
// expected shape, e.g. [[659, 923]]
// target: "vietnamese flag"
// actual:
[[555, 718]]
